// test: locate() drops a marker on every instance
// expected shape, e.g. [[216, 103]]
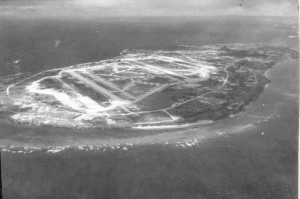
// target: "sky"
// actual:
[[152, 7]]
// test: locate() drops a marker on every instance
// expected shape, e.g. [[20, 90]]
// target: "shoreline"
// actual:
[[78, 137]]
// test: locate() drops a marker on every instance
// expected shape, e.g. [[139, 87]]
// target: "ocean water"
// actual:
[[251, 155]]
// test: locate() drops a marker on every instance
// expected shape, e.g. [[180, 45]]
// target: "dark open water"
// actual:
[[255, 157]]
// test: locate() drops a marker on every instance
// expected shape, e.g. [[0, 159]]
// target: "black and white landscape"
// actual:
[[149, 99]]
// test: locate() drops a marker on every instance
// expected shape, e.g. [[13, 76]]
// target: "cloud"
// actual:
[[158, 7], [281, 8]]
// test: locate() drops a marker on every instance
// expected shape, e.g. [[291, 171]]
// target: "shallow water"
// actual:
[[265, 109], [251, 155], [34, 45]]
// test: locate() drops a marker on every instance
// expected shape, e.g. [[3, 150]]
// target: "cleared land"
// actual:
[[147, 87]]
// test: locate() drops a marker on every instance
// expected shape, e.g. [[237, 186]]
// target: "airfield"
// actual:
[[144, 88]]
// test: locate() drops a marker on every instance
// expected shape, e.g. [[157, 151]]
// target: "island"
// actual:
[[144, 88]]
